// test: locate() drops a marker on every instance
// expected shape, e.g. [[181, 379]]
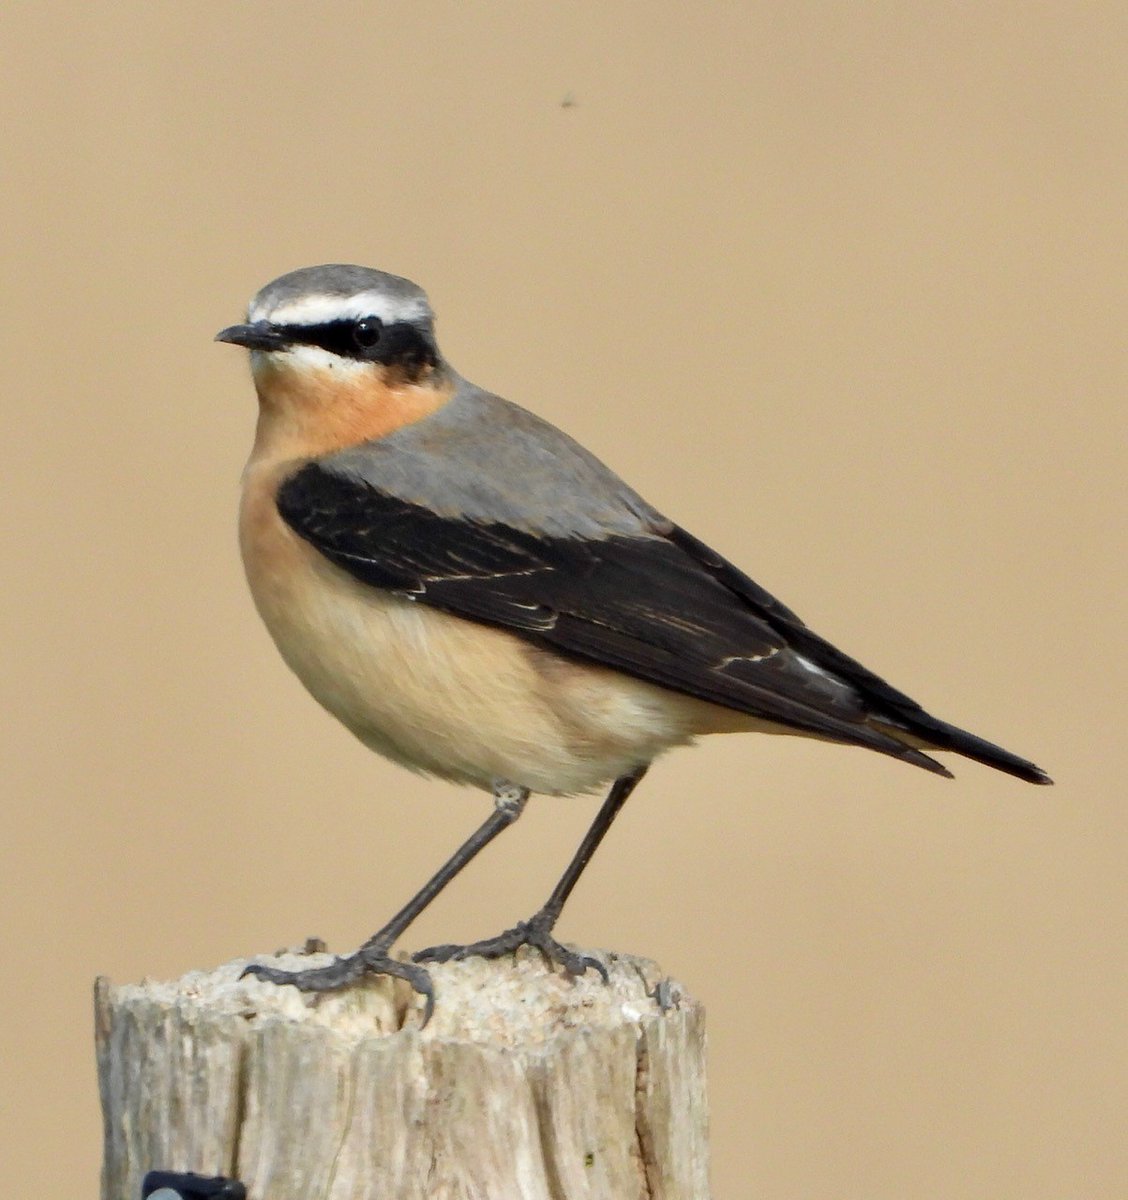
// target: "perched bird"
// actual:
[[477, 597]]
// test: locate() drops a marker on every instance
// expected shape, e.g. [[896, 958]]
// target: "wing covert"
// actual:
[[641, 604]]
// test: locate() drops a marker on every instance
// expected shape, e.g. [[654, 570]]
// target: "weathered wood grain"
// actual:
[[526, 1085]]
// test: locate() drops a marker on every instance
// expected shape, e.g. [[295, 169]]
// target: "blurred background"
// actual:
[[840, 287]]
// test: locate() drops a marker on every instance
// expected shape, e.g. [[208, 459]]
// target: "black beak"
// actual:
[[259, 336]]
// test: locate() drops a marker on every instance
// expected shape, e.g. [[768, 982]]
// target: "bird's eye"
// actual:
[[367, 331]]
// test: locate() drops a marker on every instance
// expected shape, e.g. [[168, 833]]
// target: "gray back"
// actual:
[[485, 459]]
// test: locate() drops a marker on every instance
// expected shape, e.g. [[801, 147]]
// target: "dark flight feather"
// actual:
[[661, 607]]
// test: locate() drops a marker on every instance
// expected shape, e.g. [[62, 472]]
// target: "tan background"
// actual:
[[842, 288]]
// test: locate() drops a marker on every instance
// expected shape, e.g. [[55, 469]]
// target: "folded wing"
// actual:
[[658, 605]]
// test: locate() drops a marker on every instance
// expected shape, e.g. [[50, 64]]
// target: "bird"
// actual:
[[477, 597]]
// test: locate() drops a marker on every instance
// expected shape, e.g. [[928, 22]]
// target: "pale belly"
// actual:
[[445, 696]]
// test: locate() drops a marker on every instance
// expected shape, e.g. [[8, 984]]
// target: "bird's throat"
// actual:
[[313, 412]]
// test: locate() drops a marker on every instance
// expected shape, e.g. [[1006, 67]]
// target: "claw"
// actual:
[[337, 974], [420, 981], [535, 932], [594, 963], [342, 971]]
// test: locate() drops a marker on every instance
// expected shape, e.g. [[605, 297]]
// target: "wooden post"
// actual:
[[526, 1085]]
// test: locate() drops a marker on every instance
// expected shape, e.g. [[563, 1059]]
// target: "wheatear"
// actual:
[[477, 597]]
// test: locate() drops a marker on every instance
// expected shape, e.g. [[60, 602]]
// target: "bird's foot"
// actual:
[[536, 932], [371, 959]]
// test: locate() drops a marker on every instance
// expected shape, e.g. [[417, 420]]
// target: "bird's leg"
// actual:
[[372, 958], [537, 930]]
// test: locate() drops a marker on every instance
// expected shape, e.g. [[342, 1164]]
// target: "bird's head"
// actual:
[[341, 353]]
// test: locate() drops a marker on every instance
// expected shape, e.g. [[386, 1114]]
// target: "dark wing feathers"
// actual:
[[665, 609], [640, 604], [887, 705]]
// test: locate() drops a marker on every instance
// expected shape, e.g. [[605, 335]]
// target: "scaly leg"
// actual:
[[537, 931], [372, 958]]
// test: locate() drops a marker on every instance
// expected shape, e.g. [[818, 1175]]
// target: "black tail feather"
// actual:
[[942, 736]]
